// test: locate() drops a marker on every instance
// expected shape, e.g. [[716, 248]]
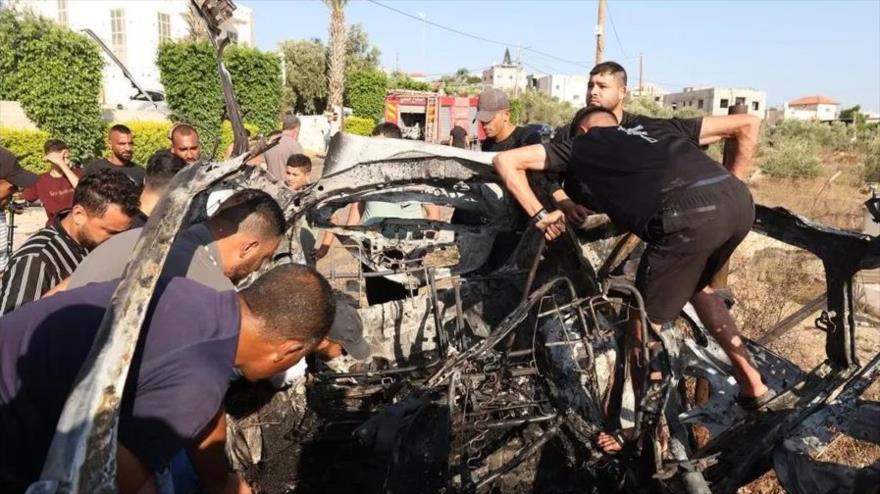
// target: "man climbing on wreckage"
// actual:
[[654, 180]]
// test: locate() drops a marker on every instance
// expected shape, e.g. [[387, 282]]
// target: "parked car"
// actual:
[[546, 131]]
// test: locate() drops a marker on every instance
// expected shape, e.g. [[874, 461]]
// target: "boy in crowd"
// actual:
[[55, 187]]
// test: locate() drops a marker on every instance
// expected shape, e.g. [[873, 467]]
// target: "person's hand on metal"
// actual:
[[574, 212], [552, 224]]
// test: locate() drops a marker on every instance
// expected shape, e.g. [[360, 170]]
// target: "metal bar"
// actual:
[[783, 326]]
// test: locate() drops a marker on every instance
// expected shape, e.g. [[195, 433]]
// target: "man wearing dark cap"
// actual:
[[11, 176], [493, 112]]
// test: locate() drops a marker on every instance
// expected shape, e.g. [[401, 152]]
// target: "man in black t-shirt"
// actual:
[[653, 179], [193, 337], [121, 143], [493, 113]]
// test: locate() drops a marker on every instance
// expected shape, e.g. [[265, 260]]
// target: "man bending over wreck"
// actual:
[[179, 375], [654, 180]]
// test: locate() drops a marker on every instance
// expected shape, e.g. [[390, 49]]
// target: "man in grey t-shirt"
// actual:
[[233, 243], [288, 145]]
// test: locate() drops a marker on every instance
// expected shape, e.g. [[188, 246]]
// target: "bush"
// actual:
[[256, 77], [188, 72], [55, 74], [794, 157], [149, 137], [359, 125], [836, 136], [365, 93], [28, 144], [871, 155]]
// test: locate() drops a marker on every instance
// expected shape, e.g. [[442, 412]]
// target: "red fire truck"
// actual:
[[429, 116]]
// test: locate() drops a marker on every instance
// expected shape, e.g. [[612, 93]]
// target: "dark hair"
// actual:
[[387, 129], [182, 129], [458, 136], [252, 210], [122, 129], [584, 113], [96, 191], [612, 68], [300, 161], [294, 301], [289, 121], [161, 168], [54, 145]]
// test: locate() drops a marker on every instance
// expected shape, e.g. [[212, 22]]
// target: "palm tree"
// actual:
[[337, 52]]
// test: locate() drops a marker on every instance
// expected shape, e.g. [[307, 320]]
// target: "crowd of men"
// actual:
[[649, 175]]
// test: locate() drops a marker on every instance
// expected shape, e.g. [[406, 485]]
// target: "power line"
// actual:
[[614, 28], [477, 37]]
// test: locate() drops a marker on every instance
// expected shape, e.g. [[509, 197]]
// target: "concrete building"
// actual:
[[133, 31], [648, 90], [717, 100], [817, 108], [509, 77], [571, 88]]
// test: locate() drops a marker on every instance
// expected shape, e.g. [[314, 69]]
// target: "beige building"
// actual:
[[717, 100], [509, 77], [817, 108], [651, 91]]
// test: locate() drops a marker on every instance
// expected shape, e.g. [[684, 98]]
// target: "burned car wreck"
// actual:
[[490, 378]]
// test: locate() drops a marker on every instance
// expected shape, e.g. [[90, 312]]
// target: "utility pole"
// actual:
[[600, 33], [641, 73]]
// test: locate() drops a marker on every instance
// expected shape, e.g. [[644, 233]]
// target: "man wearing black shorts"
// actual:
[[654, 180]]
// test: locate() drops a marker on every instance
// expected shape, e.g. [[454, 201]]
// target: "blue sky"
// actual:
[[788, 48]]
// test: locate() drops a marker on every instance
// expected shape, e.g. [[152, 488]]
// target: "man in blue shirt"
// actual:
[[179, 374]]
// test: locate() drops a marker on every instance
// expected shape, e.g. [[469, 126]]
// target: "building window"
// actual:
[[740, 100], [62, 12], [576, 97], [755, 106], [725, 102], [117, 33], [164, 27], [700, 104]]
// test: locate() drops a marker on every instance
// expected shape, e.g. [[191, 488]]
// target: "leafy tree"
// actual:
[[399, 80], [365, 93], [540, 107], [55, 74], [359, 53], [849, 114], [256, 77], [305, 82], [188, 72], [361, 126]]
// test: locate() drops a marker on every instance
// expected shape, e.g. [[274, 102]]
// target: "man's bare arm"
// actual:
[[512, 166], [208, 456], [744, 130]]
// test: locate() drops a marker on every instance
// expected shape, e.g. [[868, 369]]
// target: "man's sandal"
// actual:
[[754, 403]]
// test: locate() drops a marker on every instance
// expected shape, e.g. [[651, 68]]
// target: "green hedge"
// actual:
[[365, 93], [256, 77], [149, 137], [55, 74], [361, 126], [26, 142], [188, 71]]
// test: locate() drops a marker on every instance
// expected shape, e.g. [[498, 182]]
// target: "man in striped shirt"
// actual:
[[104, 204]]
